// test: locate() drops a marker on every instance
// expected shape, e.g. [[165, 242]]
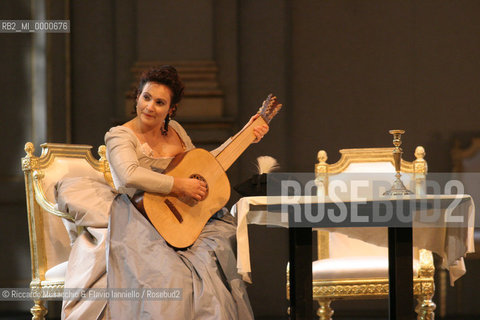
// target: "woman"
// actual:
[[138, 257]]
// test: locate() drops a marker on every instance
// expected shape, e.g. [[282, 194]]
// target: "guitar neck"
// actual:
[[239, 143]]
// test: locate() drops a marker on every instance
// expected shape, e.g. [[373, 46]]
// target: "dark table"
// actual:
[[401, 301], [400, 269], [400, 265]]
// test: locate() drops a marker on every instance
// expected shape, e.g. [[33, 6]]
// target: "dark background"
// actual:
[[346, 71]]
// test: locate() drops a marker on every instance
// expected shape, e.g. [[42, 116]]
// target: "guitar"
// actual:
[[180, 220]]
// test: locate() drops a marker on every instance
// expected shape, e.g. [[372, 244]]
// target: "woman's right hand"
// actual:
[[192, 188]]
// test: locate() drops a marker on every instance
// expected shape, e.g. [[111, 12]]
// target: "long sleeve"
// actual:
[[125, 166]]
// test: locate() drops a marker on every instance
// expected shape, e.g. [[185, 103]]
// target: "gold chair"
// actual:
[[349, 268], [49, 239]]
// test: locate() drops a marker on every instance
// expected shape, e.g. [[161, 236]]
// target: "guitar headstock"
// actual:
[[269, 108]]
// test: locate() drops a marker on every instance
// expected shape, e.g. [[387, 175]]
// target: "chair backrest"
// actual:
[[369, 164], [49, 240]]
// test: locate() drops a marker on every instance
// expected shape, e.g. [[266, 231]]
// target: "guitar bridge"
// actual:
[[174, 210]]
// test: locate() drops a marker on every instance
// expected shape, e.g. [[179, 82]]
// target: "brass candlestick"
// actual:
[[398, 188]]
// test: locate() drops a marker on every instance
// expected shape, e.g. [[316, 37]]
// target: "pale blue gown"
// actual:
[[138, 257]]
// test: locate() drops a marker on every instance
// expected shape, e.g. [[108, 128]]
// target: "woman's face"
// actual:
[[153, 104]]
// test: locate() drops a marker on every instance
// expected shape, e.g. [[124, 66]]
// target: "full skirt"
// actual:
[[206, 273]]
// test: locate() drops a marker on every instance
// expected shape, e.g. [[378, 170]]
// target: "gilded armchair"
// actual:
[[349, 268], [49, 239]]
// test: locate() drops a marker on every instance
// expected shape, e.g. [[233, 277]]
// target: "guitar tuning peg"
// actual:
[[269, 108], [276, 111]]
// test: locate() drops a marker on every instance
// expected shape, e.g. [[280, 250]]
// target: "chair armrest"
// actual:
[[42, 199]]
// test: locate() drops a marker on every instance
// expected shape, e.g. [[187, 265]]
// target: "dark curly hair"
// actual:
[[166, 75]]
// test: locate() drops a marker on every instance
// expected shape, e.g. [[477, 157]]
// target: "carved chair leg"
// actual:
[[324, 312], [39, 310], [425, 307]]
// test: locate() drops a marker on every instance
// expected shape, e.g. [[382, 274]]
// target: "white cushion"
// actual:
[[341, 245], [57, 273], [370, 167], [371, 179], [353, 268], [66, 167]]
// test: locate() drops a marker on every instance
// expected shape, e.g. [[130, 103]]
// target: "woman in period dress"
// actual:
[[137, 256]]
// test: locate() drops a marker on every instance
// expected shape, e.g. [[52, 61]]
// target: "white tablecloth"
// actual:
[[451, 244]]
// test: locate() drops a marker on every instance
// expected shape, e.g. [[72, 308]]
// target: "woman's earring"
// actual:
[[164, 129]]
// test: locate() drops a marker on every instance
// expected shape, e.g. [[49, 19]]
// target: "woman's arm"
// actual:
[[122, 156]]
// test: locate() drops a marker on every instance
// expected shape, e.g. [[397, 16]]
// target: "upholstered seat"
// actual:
[[354, 268], [350, 268], [57, 273], [51, 231]]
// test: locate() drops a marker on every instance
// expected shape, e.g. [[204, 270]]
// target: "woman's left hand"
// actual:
[[258, 131]]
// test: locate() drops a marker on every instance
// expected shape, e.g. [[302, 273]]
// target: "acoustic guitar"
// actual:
[[181, 220]]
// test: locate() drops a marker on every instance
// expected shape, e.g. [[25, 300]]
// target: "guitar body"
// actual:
[[180, 221]]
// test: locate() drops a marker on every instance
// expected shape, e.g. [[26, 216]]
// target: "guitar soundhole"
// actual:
[[199, 177]]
